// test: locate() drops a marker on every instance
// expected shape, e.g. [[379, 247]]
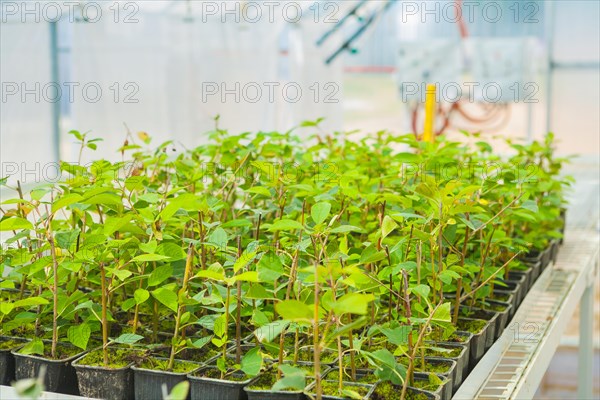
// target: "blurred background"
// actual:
[[168, 68]]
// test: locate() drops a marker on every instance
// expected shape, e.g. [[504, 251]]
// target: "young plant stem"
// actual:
[[182, 293], [226, 323], [412, 356], [407, 311], [459, 281], [316, 341], [287, 297], [340, 364], [54, 290], [104, 315], [484, 256], [238, 311]]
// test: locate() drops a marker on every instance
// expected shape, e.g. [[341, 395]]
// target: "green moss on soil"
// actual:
[[424, 384], [10, 344], [452, 353], [388, 391], [456, 338], [265, 382], [214, 373], [500, 297], [305, 354], [63, 351], [474, 326], [117, 358], [438, 368], [494, 307], [179, 366], [331, 388]]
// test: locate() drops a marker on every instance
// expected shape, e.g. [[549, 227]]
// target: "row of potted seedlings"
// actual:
[[265, 266]]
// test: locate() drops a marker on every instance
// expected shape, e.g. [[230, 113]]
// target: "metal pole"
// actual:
[[550, 7], [56, 80], [586, 349]]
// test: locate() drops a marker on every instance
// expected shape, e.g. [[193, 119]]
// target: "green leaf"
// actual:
[[219, 326], [388, 226], [248, 276], [6, 307], [353, 303], [320, 211], [442, 314], [422, 290], [166, 297], [79, 335], [247, 256], [14, 223], [398, 335], [268, 332], [294, 310], [252, 362], [149, 257], [105, 199], [259, 190], [293, 378], [113, 224], [346, 229], [211, 274], [218, 238], [171, 250], [66, 201], [128, 338], [286, 225], [66, 239], [128, 304], [179, 391], [36, 346], [530, 205], [141, 295], [200, 343], [30, 301], [160, 274], [351, 394]]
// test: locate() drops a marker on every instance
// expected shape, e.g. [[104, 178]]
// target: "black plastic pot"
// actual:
[[397, 388], [554, 247], [477, 344], [502, 316], [492, 317], [444, 391], [526, 283], [563, 217], [451, 374], [7, 361], [272, 395], [60, 374], [104, 383], [148, 382], [546, 256], [536, 269], [511, 290], [371, 388], [519, 281], [462, 360], [202, 388]]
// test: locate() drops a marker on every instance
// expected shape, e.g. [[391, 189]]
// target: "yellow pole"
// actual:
[[430, 104]]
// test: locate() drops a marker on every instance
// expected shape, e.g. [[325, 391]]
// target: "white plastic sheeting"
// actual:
[[176, 68], [26, 105]]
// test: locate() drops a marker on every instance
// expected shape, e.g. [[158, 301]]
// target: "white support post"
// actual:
[[586, 349]]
